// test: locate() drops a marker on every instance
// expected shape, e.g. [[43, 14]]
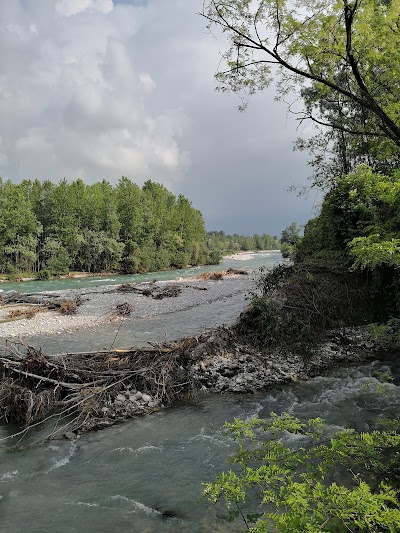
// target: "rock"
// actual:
[[70, 435], [132, 399], [120, 398], [146, 398], [151, 404], [228, 373], [239, 381], [166, 512], [138, 395]]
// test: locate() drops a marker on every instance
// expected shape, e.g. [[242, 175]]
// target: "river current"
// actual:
[[122, 479]]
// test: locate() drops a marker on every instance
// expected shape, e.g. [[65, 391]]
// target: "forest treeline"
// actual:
[[218, 241], [52, 229]]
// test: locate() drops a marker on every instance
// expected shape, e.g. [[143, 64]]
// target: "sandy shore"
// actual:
[[99, 305]]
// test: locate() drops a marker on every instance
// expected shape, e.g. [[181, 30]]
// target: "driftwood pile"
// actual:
[[31, 304], [79, 392], [214, 276], [152, 290]]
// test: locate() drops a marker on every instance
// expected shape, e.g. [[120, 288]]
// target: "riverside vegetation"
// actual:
[[341, 60], [48, 229]]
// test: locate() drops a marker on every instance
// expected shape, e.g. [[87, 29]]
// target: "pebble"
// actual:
[[96, 306]]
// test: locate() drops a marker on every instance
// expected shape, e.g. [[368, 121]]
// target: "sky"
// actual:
[[99, 89]]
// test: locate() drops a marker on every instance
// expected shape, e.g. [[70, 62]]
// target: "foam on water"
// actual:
[[146, 447], [9, 476], [64, 460], [216, 439], [258, 407], [103, 279], [86, 504], [136, 506]]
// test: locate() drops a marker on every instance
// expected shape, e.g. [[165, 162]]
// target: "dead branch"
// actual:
[[94, 389]]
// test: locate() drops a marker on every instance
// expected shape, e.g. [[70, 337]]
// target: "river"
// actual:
[[121, 479]]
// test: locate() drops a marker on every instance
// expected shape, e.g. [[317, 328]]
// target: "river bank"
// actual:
[[124, 478], [26, 277]]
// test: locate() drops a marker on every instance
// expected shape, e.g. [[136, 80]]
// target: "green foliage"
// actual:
[[386, 336], [73, 226], [372, 251], [362, 210], [359, 227], [44, 274], [293, 489], [219, 242], [214, 257], [345, 51], [291, 234]]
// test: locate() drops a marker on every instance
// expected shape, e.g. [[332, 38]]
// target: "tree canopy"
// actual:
[[51, 229], [341, 51]]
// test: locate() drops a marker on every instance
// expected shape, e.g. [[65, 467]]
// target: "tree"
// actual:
[[19, 229], [349, 49], [290, 235], [335, 152]]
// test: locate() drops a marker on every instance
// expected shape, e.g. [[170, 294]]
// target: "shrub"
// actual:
[[292, 490], [44, 274], [68, 307]]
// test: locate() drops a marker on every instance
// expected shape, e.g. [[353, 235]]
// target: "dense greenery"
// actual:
[[322, 484], [290, 237], [345, 270], [51, 229], [217, 240]]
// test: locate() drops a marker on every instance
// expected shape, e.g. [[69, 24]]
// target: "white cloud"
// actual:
[[69, 8], [72, 98]]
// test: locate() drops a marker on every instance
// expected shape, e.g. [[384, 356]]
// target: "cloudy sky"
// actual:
[[97, 89]]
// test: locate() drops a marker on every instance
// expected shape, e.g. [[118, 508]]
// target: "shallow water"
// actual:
[[140, 331], [118, 480]]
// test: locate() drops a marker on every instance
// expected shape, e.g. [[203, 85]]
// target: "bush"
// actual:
[[68, 307], [292, 490], [297, 305], [214, 257], [44, 274]]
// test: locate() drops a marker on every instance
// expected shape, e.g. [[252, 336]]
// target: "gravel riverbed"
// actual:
[[99, 304]]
